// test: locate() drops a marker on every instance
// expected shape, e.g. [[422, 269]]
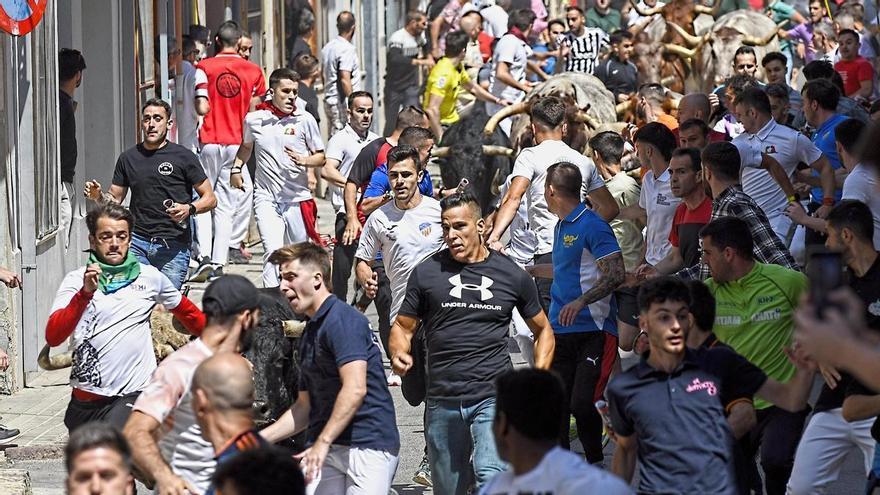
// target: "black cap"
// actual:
[[230, 294]]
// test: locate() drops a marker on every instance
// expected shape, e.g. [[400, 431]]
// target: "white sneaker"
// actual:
[[394, 380]]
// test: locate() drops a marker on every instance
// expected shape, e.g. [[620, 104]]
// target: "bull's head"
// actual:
[[723, 41]]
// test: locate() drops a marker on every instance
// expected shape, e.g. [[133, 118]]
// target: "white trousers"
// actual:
[[781, 226], [279, 224], [353, 471], [214, 229], [66, 218], [242, 219], [825, 443]]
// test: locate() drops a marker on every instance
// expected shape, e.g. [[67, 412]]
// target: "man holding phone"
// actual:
[[829, 436]]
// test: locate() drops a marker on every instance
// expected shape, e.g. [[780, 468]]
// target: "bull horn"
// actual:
[[293, 328], [494, 150], [692, 40], [623, 106], [586, 118], [703, 9], [440, 152], [508, 111], [646, 13], [667, 81], [56, 362], [680, 50], [755, 41]]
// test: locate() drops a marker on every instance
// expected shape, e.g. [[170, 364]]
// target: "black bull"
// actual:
[[466, 153]]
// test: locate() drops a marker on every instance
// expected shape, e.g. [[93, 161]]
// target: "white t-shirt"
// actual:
[[187, 119], [523, 242], [788, 147], [657, 200], [344, 146], [405, 237], [635, 17], [339, 54], [494, 21], [861, 185], [276, 174], [112, 342], [560, 472], [168, 400], [532, 163], [515, 52]]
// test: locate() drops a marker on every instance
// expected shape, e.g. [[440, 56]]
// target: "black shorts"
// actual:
[[627, 305], [114, 410]]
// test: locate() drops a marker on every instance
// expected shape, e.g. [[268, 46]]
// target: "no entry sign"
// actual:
[[20, 17]]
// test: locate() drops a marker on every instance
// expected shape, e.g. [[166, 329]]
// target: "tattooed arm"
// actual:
[[612, 274]]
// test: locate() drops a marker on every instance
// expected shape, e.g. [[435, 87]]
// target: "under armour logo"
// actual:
[[594, 360], [485, 283]]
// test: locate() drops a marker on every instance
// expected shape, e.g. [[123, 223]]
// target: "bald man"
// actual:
[[223, 395], [697, 106]]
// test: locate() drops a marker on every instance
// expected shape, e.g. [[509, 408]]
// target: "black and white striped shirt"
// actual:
[[585, 50]]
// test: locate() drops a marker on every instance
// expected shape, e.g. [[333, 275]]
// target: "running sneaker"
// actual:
[[572, 429], [215, 274], [423, 473], [7, 434], [203, 271], [394, 380]]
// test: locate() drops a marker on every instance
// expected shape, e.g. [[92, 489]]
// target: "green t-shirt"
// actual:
[[609, 23], [754, 316]]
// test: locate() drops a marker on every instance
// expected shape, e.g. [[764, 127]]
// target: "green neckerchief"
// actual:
[[115, 277]]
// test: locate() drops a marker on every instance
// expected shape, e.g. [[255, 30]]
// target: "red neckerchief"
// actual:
[[519, 34], [267, 105]]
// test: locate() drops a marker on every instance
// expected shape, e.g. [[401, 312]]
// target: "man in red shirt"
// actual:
[[232, 87], [856, 72]]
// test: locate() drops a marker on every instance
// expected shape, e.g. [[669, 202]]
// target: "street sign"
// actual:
[[20, 17]]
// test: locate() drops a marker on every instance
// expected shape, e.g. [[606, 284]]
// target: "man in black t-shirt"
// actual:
[[829, 436], [161, 176], [617, 72], [464, 297], [71, 65]]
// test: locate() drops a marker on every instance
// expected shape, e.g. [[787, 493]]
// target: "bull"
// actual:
[[717, 46], [270, 348], [465, 153]]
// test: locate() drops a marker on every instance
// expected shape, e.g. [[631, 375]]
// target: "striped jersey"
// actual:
[[585, 50]]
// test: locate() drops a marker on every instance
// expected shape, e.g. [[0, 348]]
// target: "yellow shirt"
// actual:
[[445, 80]]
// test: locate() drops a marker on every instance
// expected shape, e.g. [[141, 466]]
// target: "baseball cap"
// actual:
[[230, 294]]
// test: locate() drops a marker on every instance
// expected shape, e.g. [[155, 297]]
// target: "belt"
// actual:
[[86, 396]]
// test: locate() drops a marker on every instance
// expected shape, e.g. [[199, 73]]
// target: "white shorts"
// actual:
[[354, 471]]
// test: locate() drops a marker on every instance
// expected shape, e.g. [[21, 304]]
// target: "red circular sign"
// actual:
[[20, 17]]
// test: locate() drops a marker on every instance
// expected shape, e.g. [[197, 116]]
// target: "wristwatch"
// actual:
[[192, 209]]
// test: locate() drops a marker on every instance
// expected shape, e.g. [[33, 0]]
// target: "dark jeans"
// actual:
[[777, 434], [343, 260], [544, 284], [383, 305], [114, 410], [397, 99], [584, 362]]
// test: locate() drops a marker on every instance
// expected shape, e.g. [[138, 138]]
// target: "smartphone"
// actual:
[[825, 272], [602, 408]]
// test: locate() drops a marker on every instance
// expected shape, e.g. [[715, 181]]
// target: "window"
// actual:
[[47, 169], [145, 73]]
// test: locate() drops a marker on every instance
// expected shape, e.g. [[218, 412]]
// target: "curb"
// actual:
[[34, 453]]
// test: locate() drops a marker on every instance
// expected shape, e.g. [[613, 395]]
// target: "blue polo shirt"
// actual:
[[684, 442], [580, 240], [824, 139], [336, 335], [380, 185]]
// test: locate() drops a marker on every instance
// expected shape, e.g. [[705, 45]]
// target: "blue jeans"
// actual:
[[170, 257], [453, 430]]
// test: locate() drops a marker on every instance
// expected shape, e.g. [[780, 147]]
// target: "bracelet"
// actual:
[[792, 199], [827, 201]]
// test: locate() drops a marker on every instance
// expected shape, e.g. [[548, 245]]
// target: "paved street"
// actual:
[[38, 412]]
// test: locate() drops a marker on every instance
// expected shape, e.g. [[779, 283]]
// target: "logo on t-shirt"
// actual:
[[290, 130], [874, 308], [166, 168], [568, 240], [459, 286], [228, 85], [698, 385], [770, 149], [425, 228], [662, 199]]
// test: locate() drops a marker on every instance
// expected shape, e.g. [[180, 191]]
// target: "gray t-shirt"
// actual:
[[861, 185], [339, 54]]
